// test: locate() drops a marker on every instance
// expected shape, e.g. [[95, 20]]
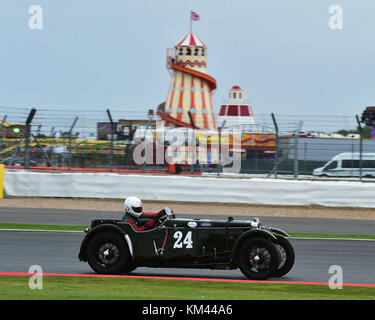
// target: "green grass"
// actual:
[[87, 288], [333, 236], [26, 226]]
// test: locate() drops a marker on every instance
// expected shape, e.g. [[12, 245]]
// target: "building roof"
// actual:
[[191, 40]]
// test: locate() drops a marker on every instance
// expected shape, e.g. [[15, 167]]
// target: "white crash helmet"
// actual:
[[133, 206]]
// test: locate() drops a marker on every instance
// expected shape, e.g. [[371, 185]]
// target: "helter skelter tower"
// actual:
[[190, 88]]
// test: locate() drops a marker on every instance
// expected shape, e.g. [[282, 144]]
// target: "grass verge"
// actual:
[[52, 227], [333, 236], [26, 226], [90, 288]]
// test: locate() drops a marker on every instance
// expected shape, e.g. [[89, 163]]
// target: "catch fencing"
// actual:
[[72, 138]]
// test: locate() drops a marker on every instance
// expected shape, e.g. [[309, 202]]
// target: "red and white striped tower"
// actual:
[[190, 87], [236, 112]]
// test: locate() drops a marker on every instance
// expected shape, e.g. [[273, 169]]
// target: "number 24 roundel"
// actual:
[[182, 241]]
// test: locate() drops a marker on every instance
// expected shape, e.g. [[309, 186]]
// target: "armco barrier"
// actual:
[[194, 189]]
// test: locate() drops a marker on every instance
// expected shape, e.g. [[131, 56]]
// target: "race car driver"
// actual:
[[136, 217]]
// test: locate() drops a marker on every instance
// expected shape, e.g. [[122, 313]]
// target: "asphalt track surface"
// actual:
[[56, 252], [83, 217]]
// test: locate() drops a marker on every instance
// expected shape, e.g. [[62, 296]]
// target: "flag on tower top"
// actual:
[[194, 16]]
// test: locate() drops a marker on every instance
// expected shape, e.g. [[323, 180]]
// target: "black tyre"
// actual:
[[258, 258], [107, 253], [129, 268], [287, 256]]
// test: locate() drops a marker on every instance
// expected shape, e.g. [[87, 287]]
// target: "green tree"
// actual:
[[366, 132]]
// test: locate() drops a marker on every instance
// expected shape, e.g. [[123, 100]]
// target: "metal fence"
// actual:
[[67, 139]]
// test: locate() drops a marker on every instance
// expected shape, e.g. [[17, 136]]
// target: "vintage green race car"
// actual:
[[112, 246]]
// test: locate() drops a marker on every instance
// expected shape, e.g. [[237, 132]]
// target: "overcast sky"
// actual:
[[99, 54]]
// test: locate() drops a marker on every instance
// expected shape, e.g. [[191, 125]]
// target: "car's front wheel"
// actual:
[[258, 258], [107, 253], [287, 256]]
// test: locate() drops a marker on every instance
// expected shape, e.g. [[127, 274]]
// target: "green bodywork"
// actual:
[[180, 242]]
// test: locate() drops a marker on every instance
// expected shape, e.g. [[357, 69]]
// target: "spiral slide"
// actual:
[[211, 83]]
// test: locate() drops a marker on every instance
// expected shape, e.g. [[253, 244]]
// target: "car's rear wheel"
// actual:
[[107, 253], [287, 256], [258, 258]]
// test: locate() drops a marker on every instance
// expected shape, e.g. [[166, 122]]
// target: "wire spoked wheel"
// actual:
[[258, 258], [108, 253], [287, 256], [283, 256]]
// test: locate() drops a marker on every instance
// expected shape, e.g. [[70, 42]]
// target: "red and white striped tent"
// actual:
[[191, 40]]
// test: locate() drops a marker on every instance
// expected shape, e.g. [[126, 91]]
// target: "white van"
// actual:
[[347, 165]]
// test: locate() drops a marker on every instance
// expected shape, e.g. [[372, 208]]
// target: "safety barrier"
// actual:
[[192, 189]]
